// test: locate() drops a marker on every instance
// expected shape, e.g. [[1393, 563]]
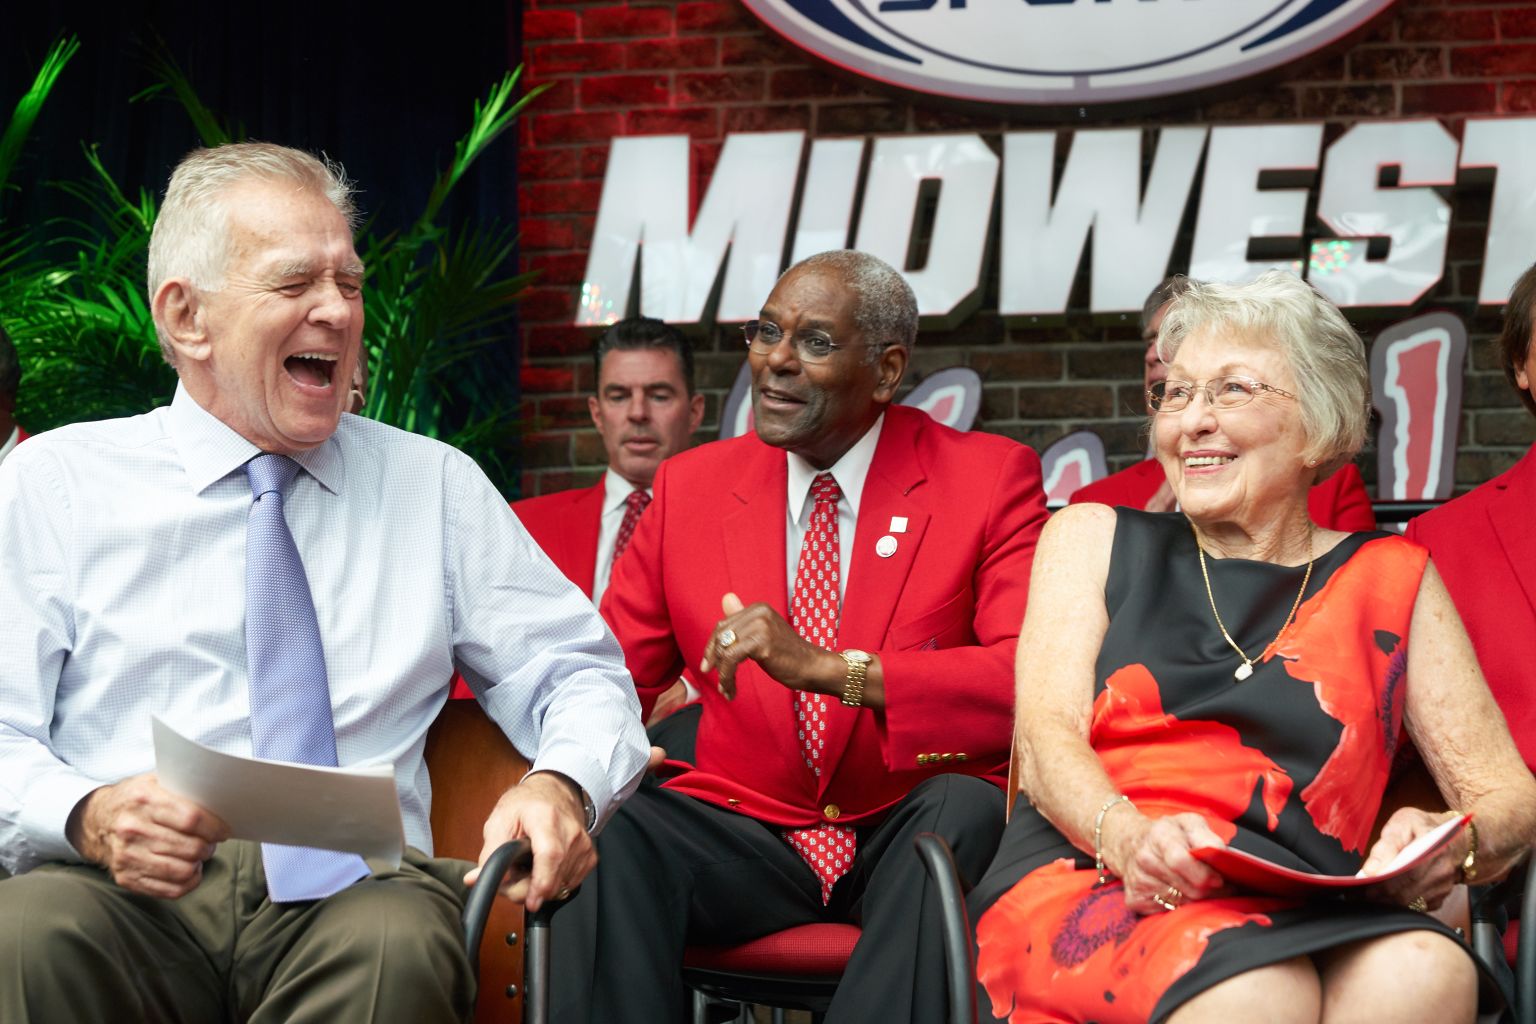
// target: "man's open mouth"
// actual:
[[312, 369]]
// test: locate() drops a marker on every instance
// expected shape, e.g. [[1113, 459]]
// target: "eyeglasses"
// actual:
[[1229, 392], [763, 336]]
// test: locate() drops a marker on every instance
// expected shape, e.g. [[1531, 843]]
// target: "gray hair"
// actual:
[[886, 308], [1168, 289], [191, 234], [1325, 353]]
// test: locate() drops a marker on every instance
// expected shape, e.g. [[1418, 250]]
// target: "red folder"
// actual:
[[1260, 875]]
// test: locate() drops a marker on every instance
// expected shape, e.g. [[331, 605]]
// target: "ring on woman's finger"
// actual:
[[1169, 898], [563, 894], [1420, 904], [726, 638]]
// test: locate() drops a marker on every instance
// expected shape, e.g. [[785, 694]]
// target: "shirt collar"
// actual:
[[210, 449], [616, 490], [849, 472]]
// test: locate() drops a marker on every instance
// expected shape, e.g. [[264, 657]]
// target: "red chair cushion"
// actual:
[[820, 949], [1511, 941]]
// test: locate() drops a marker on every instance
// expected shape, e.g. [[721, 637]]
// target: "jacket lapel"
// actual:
[[755, 565], [874, 583], [1510, 513]]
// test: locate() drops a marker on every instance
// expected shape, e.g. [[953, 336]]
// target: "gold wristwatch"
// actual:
[[858, 669]]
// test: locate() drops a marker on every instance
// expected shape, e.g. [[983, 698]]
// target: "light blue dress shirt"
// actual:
[[122, 596]]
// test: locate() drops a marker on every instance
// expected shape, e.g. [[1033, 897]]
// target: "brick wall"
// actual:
[[708, 68]]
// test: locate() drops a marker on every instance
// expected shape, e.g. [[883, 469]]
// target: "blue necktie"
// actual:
[[290, 694]]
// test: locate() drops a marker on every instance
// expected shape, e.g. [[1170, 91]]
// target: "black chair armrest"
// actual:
[[960, 967], [513, 856]]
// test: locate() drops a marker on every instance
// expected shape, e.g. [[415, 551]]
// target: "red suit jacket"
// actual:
[[1485, 548], [1338, 503], [566, 524], [943, 612]]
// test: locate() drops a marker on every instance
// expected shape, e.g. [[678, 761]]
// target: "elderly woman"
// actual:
[[1233, 675], [1486, 549]]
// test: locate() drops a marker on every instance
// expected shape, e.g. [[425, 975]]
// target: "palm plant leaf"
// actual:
[[31, 104]]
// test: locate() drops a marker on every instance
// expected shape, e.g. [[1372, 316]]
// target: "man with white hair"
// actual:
[[272, 578]]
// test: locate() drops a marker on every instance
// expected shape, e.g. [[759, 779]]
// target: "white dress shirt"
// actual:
[[616, 492], [849, 472], [122, 579]]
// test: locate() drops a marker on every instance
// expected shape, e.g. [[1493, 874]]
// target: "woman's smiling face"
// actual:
[[1232, 464]]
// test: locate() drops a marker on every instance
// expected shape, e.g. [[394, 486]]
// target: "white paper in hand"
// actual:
[[351, 809]]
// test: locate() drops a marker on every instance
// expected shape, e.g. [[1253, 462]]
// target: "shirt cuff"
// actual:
[[51, 799]]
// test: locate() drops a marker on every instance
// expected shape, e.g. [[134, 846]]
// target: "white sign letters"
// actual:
[[1382, 242]]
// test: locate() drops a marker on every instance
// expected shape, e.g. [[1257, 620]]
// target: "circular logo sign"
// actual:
[[1062, 52]]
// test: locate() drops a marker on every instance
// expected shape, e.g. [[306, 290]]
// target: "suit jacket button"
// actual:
[[959, 757], [949, 757], [922, 758], [832, 812], [733, 801]]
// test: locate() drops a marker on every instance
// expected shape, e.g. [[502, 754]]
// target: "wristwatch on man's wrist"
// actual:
[[858, 671]]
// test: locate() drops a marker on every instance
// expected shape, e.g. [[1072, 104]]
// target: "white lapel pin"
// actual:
[[885, 547], [898, 524]]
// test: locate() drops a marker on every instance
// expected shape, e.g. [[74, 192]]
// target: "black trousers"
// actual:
[[674, 871]]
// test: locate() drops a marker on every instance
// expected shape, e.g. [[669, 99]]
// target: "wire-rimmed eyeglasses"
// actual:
[[1232, 391], [763, 336]]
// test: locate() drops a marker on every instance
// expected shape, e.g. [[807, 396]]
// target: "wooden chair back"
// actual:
[[472, 764]]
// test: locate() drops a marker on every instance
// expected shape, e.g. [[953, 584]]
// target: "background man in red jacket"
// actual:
[[845, 586], [10, 379], [645, 410], [1338, 503]]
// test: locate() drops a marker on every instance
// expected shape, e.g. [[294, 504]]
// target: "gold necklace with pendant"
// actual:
[[1245, 670]]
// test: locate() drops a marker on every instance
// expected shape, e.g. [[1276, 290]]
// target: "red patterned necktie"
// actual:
[[827, 848], [633, 506]]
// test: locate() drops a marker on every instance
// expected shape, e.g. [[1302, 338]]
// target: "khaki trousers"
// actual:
[[76, 947]]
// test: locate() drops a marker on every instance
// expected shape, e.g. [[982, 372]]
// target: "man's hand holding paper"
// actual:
[[150, 840]]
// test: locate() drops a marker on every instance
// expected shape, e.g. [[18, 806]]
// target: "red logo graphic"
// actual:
[[1416, 369]]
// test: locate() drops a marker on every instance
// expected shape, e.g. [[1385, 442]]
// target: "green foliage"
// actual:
[[72, 293], [31, 104]]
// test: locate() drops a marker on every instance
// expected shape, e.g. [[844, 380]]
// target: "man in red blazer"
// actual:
[[1337, 503], [645, 410], [1485, 548], [846, 586], [11, 433]]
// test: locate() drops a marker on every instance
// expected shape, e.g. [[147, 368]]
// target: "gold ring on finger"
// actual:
[[1420, 904], [726, 638], [563, 894], [1169, 898]]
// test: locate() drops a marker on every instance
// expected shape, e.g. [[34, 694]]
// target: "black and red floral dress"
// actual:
[[1290, 764]]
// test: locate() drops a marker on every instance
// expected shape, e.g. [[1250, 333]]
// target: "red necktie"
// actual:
[[828, 849], [633, 506]]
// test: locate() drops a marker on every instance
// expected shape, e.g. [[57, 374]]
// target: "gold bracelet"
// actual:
[[1098, 834], [1467, 871]]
